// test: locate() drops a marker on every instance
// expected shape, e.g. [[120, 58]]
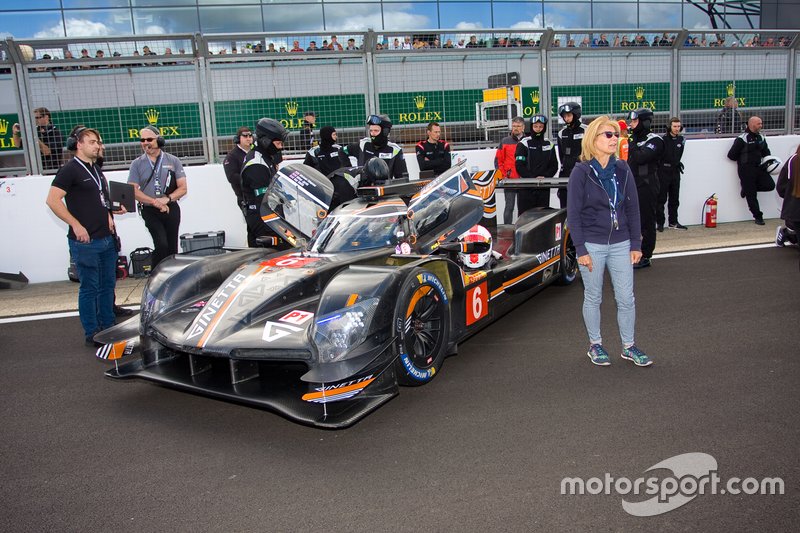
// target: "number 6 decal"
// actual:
[[477, 303]]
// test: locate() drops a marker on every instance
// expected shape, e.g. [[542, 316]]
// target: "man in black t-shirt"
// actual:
[[79, 197]]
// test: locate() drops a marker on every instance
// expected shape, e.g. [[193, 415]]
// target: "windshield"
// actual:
[[361, 231]]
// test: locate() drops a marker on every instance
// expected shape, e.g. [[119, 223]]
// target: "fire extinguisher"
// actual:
[[710, 211]]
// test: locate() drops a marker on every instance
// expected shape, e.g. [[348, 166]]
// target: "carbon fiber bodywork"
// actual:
[[324, 333]]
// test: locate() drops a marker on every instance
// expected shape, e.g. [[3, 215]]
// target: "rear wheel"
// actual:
[[422, 322], [569, 263]]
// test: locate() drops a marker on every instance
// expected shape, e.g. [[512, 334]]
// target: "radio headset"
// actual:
[[159, 139], [72, 140]]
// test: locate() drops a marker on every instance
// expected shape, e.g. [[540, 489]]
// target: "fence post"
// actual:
[[207, 122]]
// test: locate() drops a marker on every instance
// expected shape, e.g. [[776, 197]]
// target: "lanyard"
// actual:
[[96, 179], [157, 172]]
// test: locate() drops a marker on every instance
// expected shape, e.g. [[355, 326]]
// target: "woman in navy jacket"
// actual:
[[603, 217]]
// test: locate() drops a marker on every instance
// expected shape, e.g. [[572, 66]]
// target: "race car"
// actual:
[[370, 296]]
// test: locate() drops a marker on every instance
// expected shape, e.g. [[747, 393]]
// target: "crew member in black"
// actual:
[[328, 156], [378, 145], [434, 153], [50, 140], [747, 150], [79, 197], [307, 139], [568, 142], [535, 157], [233, 164], [260, 166], [669, 176], [644, 156]]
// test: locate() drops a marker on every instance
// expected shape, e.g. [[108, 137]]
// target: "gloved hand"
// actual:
[[680, 167]]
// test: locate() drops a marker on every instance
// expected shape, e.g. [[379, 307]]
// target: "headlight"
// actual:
[[337, 333]]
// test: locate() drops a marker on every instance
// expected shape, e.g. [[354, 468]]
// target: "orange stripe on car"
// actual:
[[522, 277], [333, 392]]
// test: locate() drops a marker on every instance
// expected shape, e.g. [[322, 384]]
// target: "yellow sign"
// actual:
[[501, 93], [291, 108], [420, 115], [152, 115], [639, 103]]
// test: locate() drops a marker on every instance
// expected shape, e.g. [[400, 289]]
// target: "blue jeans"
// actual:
[[96, 262], [616, 258]]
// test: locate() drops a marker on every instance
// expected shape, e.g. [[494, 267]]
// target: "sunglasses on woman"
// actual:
[[608, 134]]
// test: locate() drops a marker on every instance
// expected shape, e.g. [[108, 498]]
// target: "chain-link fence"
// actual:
[[199, 89]]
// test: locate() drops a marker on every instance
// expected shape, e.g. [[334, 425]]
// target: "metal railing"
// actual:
[[198, 92]]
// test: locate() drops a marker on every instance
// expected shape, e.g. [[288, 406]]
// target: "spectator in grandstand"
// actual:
[[147, 52], [788, 188], [748, 149], [296, 47], [585, 42], [505, 162], [335, 44], [396, 45], [271, 48], [159, 182], [351, 44], [433, 153], [407, 44], [625, 41], [312, 47], [603, 214], [473, 41], [448, 43], [570, 43], [49, 139], [603, 40], [729, 120]]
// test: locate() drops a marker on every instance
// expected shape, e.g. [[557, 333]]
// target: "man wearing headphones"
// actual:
[[79, 196], [159, 181], [378, 145], [260, 166], [233, 164]]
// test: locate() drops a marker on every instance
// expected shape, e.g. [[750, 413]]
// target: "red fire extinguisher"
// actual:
[[710, 211]]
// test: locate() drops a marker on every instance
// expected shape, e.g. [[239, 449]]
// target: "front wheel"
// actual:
[[422, 327], [569, 263]]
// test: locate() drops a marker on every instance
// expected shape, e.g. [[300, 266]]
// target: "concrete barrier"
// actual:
[[33, 240]]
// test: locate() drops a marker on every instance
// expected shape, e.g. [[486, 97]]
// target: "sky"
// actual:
[[225, 16]]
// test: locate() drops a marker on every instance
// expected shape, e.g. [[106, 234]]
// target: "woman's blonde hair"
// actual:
[[588, 150]]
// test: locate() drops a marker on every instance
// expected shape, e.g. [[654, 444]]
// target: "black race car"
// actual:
[[370, 296]]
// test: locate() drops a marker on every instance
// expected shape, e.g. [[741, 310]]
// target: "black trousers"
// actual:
[[530, 198], [668, 192], [749, 177], [255, 227], [648, 196], [163, 228]]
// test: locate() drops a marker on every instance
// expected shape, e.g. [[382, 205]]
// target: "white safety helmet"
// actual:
[[476, 234], [771, 164]]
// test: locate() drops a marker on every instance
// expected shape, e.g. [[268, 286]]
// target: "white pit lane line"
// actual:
[[48, 316]]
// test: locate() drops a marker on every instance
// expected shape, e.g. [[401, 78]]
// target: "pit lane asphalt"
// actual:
[[484, 447]]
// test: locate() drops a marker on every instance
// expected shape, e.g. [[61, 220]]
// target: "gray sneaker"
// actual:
[[598, 355], [780, 238], [638, 357]]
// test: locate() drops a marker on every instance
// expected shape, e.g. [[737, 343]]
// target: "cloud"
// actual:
[[76, 28]]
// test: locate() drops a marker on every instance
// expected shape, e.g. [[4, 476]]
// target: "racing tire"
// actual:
[[422, 328], [569, 263]]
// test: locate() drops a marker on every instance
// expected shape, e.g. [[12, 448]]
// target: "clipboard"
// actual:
[[122, 194]]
